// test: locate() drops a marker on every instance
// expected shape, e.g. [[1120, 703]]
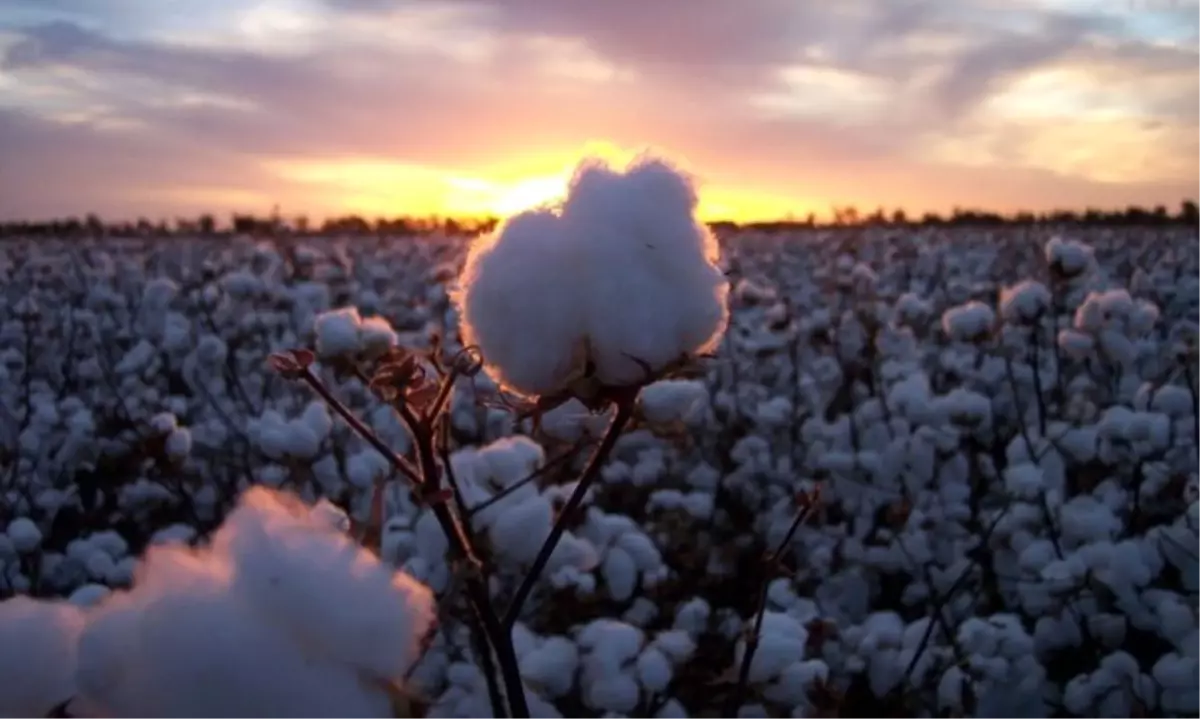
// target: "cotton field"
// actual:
[[907, 472]]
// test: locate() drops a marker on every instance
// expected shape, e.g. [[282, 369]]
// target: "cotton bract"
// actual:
[[621, 277]]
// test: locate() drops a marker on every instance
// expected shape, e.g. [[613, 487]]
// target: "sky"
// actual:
[[170, 108]]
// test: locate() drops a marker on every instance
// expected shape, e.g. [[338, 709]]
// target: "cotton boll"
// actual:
[[969, 322], [612, 692], [141, 657], [328, 514], [570, 421], [520, 301], [620, 574], [540, 322], [376, 337], [551, 666], [511, 459], [37, 655], [316, 583], [317, 419], [676, 644], [1025, 302], [520, 530], [1024, 481], [179, 443], [89, 595], [163, 423], [1075, 344], [671, 400], [25, 535], [672, 709], [654, 670], [781, 641], [1069, 258], [638, 233], [337, 333]]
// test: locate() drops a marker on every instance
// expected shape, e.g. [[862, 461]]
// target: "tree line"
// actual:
[[272, 224]]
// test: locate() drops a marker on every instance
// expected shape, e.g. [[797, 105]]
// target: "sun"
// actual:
[[528, 193]]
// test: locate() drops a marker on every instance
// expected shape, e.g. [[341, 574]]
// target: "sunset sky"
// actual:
[[168, 108]]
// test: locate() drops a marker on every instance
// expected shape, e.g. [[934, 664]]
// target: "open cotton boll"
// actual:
[[511, 459], [1024, 302], [143, 651], [24, 534], [572, 421], [551, 665], [968, 322], [330, 594], [781, 641], [376, 337], [671, 400], [624, 271], [1068, 257], [179, 443], [520, 302], [518, 532], [337, 333], [37, 655], [655, 292]]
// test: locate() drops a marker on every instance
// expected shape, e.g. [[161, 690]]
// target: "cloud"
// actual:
[[860, 101]]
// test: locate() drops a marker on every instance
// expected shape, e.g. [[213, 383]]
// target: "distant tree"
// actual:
[[847, 215], [206, 224], [899, 217], [244, 224], [1189, 213], [94, 225]]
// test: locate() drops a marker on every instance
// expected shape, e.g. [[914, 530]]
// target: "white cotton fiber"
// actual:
[[37, 655], [25, 535], [1024, 302], [968, 322], [281, 615], [518, 303], [326, 590], [671, 400], [623, 270]]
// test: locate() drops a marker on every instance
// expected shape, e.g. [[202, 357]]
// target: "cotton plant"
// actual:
[[333, 628], [943, 483]]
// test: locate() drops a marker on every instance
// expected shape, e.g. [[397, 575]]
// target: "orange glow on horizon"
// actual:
[[372, 187]]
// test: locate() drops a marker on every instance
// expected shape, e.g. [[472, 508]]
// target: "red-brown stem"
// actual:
[[427, 483], [771, 563], [624, 412], [533, 476], [402, 465], [462, 552]]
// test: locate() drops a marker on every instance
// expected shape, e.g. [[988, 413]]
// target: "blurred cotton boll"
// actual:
[[622, 275], [281, 615], [37, 655]]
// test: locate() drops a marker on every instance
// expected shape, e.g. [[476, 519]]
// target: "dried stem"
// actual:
[[532, 476], [623, 414], [771, 564], [463, 554], [426, 480], [402, 465]]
